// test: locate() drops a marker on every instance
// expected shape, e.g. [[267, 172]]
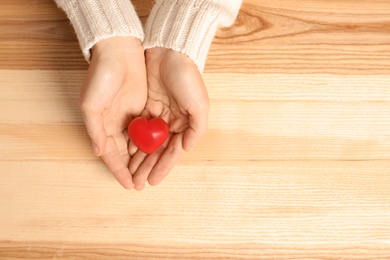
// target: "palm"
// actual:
[[169, 99], [177, 94], [119, 99]]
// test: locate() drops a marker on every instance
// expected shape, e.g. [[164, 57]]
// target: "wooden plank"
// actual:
[[30, 250], [266, 38], [67, 142], [252, 117], [257, 210], [272, 95]]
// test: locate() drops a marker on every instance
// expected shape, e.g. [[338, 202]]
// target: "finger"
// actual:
[[198, 125], [116, 165], [136, 161], [170, 157], [143, 171], [94, 124]]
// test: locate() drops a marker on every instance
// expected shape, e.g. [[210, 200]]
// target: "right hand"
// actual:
[[114, 92]]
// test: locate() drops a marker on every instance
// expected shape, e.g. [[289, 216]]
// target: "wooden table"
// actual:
[[296, 163]]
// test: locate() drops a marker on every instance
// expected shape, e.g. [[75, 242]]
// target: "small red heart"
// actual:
[[148, 135]]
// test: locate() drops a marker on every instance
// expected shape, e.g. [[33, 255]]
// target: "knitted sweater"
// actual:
[[186, 26]]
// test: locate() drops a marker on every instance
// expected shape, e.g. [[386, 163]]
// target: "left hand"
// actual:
[[177, 94]]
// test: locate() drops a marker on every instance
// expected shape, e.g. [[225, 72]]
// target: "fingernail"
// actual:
[[96, 149]]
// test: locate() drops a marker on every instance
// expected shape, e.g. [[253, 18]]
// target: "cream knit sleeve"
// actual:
[[95, 20], [188, 26]]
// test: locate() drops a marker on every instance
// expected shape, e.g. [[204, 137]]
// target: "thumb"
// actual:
[[94, 124], [197, 128]]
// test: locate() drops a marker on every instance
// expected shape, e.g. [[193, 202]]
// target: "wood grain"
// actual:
[[274, 209], [270, 38], [296, 163], [288, 111]]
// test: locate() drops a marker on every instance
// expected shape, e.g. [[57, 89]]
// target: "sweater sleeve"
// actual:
[[188, 26], [95, 20]]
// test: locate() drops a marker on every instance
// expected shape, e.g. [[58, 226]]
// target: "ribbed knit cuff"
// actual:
[[188, 26], [95, 20]]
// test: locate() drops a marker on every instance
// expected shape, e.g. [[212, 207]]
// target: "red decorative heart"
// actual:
[[148, 135]]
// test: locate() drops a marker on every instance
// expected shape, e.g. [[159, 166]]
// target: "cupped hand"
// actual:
[[177, 94], [113, 93]]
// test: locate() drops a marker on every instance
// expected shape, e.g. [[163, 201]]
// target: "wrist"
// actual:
[[158, 55], [123, 45]]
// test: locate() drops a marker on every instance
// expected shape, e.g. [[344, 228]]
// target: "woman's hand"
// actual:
[[113, 93], [177, 94]]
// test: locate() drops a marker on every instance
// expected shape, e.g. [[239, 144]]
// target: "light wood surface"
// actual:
[[296, 163]]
